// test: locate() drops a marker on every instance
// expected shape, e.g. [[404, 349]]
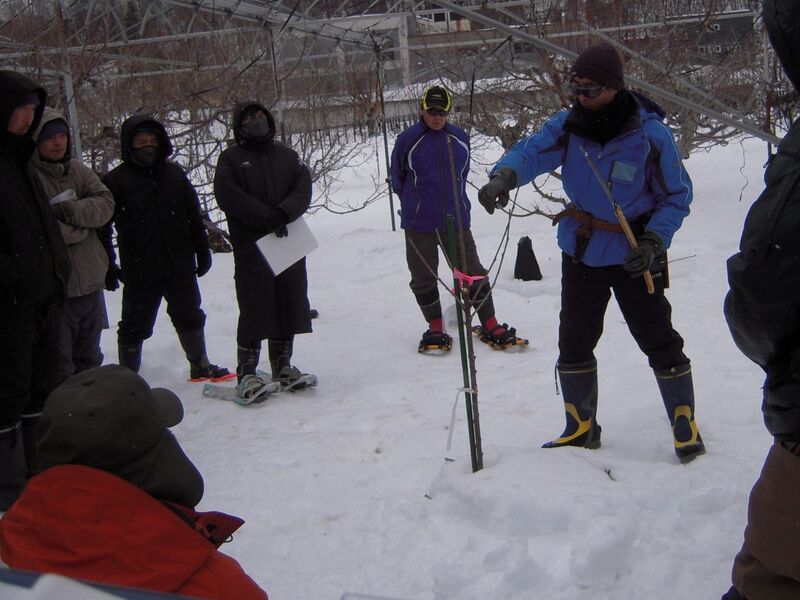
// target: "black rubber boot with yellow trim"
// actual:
[[579, 388], [677, 392]]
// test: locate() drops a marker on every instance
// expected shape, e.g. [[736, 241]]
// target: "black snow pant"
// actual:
[[422, 256], [28, 361], [141, 299], [79, 328], [585, 292]]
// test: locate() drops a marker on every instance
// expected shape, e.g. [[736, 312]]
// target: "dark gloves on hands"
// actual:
[[495, 193], [203, 262], [113, 277], [641, 259], [275, 222]]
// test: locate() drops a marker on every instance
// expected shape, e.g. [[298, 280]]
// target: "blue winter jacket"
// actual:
[[642, 167], [422, 175]]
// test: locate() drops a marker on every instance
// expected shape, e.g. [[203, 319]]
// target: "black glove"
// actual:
[[113, 277], [641, 259], [794, 363], [203, 262], [495, 193], [58, 212], [275, 222]]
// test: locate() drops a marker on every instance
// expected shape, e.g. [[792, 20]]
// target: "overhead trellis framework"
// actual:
[[200, 50]]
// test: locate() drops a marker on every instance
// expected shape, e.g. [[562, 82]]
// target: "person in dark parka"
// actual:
[[34, 270], [262, 185], [763, 313], [163, 246]]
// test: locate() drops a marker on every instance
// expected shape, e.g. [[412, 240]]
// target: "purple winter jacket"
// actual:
[[423, 177]]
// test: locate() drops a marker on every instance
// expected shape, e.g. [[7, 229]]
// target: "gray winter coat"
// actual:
[[93, 208]]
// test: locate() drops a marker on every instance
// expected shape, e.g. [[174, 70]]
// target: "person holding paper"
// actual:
[[262, 185], [163, 247], [34, 270], [81, 203]]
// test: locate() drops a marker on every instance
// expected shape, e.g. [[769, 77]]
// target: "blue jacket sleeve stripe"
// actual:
[[673, 207]]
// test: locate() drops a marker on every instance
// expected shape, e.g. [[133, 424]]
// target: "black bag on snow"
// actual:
[[526, 267]]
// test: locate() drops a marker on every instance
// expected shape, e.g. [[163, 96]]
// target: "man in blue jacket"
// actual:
[[430, 166], [623, 136]]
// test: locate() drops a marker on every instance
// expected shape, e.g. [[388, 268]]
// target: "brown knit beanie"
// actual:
[[600, 63]]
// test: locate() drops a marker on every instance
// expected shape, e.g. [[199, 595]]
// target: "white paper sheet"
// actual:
[[282, 253]]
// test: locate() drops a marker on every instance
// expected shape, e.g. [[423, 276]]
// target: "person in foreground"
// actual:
[[115, 500], [763, 313], [611, 142], [430, 165]]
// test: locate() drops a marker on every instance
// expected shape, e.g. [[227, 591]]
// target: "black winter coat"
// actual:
[[763, 305], [157, 212], [34, 267], [253, 178]]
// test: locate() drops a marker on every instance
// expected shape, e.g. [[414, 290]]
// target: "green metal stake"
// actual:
[[475, 451]]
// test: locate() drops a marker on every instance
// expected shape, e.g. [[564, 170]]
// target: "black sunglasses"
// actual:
[[590, 91]]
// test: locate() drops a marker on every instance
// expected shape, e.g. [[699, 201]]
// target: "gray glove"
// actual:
[[495, 193]]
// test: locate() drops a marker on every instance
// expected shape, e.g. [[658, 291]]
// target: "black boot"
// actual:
[[579, 388], [30, 441], [13, 470], [280, 355], [247, 360], [129, 354], [194, 345], [676, 389]]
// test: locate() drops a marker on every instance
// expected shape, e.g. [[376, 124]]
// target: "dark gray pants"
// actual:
[[422, 256], [79, 329]]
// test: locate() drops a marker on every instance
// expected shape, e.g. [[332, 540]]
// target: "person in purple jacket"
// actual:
[[430, 166]]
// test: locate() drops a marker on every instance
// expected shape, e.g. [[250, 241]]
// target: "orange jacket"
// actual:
[[88, 524]]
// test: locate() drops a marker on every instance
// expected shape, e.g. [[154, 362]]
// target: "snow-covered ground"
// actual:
[[349, 488]]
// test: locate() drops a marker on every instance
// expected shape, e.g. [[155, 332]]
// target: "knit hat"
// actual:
[[27, 99], [52, 128], [148, 127], [437, 97], [110, 419], [600, 63]]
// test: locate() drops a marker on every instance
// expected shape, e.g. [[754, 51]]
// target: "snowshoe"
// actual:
[[252, 389], [433, 341], [501, 337], [210, 373], [292, 379]]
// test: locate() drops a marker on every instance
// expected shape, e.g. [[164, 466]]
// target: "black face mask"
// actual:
[[145, 157], [255, 129]]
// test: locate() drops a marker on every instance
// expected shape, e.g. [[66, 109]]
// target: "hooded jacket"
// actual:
[[253, 178], [643, 169], [93, 208], [88, 524], [157, 211], [763, 305], [34, 267], [423, 178]]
